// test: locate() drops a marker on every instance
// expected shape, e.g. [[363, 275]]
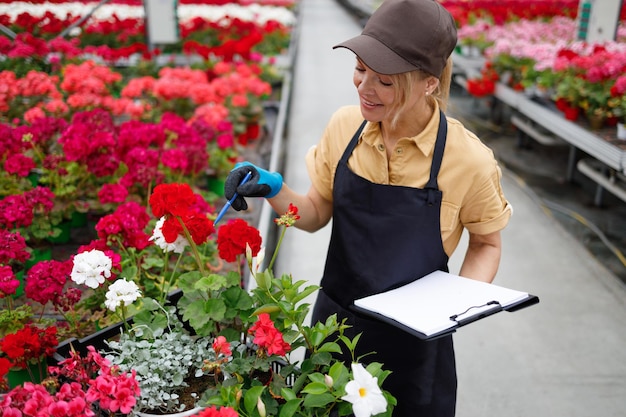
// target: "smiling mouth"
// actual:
[[368, 103]]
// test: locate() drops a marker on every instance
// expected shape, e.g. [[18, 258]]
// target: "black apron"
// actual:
[[384, 236]]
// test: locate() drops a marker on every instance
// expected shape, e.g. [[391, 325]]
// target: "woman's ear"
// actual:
[[432, 83]]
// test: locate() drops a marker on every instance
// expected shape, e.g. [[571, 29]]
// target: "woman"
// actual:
[[401, 182]]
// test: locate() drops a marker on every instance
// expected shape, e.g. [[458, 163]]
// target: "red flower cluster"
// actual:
[[485, 84], [503, 11], [217, 412], [232, 238], [221, 346], [91, 138], [289, 218], [126, 226], [29, 343], [267, 337], [177, 202]]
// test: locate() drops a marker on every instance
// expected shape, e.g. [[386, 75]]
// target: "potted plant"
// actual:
[[241, 342]]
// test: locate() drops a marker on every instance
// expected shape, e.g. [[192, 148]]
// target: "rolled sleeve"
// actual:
[[488, 210], [494, 224]]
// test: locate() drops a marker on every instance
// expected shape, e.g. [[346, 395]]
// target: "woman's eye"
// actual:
[[359, 69], [386, 83]]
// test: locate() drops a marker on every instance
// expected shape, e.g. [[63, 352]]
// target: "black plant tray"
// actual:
[[98, 339]]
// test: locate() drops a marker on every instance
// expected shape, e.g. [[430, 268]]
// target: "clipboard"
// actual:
[[439, 303]]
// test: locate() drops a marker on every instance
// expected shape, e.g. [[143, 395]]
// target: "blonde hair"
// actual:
[[405, 82]]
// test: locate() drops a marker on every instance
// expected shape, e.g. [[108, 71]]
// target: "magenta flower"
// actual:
[[112, 193], [12, 247], [45, 281], [19, 164], [8, 283]]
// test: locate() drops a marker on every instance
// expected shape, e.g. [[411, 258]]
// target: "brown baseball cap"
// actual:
[[406, 35]]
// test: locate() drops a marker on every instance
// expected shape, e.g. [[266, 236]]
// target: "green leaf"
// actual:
[[267, 308], [233, 279], [315, 388], [129, 271], [313, 400], [152, 262], [237, 298], [251, 397], [317, 337], [263, 280], [330, 347], [321, 358], [187, 281], [213, 282], [339, 373], [215, 308], [374, 368], [290, 408], [288, 394], [317, 377], [305, 293]]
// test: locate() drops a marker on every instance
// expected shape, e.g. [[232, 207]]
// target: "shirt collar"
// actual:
[[425, 141]]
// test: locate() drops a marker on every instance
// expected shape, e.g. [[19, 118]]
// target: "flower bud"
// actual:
[[261, 407], [328, 380]]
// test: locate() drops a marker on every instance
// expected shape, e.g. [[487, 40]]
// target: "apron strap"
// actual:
[[440, 144], [353, 143]]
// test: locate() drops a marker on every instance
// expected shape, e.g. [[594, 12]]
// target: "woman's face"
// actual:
[[377, 94]]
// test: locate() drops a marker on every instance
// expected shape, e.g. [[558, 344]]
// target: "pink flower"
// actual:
[[19, 164], [175, 159], [215, 412], [221, 346], [12, 247], [46, 281], [112, 193], [8, 283], [34, 113]]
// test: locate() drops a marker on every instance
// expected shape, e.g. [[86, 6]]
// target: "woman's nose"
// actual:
[[364, 81]]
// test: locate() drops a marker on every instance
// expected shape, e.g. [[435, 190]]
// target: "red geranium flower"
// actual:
[[267, 337], [233, 237], [172, 200], [29, 343]]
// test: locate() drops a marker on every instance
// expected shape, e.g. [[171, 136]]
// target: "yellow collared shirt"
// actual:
[[470, 178]]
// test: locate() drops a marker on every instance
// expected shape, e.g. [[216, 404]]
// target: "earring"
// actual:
[[427, 92]]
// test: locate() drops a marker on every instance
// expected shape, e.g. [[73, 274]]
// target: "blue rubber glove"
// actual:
[[262, 183]]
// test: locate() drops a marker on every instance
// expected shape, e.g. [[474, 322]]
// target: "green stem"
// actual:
[[280, 241], [171, 280], [192, 244], [126, 327]]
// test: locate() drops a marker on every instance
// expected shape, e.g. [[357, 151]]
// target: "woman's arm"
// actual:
[[314, 210], [482, 257]]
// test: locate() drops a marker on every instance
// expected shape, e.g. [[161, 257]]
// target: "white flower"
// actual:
[[121, 291], [178, 246], [255, 262], [363, 392], [91, 268], [260, 405]]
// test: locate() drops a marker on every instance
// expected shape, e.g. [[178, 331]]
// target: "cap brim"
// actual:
[[376, 55]]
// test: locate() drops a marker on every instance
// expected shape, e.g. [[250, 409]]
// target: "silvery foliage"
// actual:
[[161, 363]]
